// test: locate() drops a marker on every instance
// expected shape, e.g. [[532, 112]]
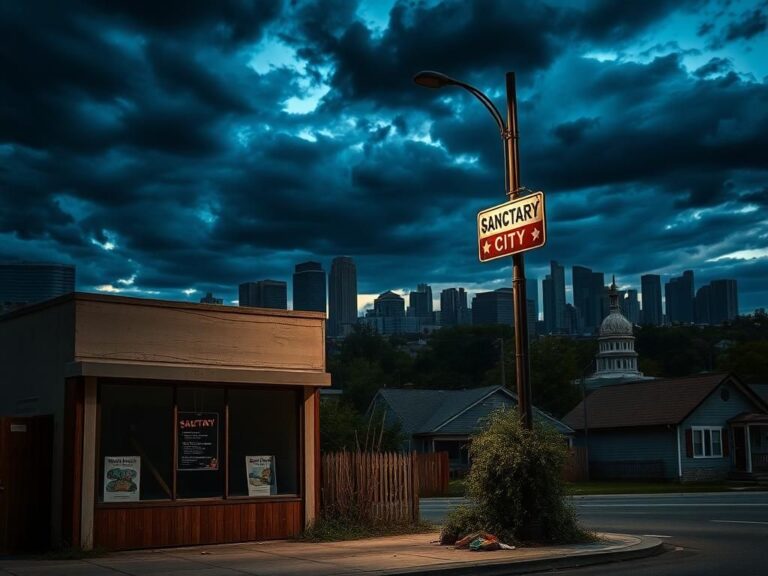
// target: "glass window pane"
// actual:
[[200, 443], [698, 449], [136, 443], [707, 443], [263, 442], [716, 443]]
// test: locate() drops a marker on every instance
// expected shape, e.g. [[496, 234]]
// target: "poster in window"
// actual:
[[122, 478], [260, 471], [198, 434]]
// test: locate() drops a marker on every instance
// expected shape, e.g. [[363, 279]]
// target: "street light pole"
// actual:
[[508, 131]]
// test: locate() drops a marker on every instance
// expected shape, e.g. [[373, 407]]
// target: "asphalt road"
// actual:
[[706, 534]]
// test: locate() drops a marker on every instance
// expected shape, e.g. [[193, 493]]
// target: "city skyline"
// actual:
[[170, 157]]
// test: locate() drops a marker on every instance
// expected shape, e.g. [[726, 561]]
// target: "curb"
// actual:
[[646, 548]]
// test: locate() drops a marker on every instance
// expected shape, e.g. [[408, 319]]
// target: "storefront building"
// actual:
[[174, 423]]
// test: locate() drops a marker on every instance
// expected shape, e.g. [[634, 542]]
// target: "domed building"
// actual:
[[616, 360]]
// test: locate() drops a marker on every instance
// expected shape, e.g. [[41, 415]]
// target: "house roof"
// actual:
[[648, 402], [761, 390], [428, 411]]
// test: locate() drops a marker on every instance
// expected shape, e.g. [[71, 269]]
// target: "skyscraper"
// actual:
[[309, 287], [588, 289], [453, 306], [532, 296], [28, 282], [264, 294], [342, 296], [495, 307], [554, 299], [702, 305], [724, 301], [679, 296], [650, 287], [631, 306], [420, 302]]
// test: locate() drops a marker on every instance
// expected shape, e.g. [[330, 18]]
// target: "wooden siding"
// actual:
[[714, 411], [633, 445], [197, 523], [167, 333]]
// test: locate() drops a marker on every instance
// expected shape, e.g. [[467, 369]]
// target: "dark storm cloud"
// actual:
[[139, 141], [751, 24], [608, 20]]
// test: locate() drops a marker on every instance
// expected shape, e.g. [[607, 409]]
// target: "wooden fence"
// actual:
[[575, 469], [433, 473], [379, 486]]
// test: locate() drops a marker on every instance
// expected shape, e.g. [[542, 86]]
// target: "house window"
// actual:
[[707, 442]]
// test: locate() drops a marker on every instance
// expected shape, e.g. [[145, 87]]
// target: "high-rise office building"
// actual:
[[342, 296], [650, 287], [631, 306], [264, 294], [723, 301], [495, 307], [389, 304], [532, 296], [554, 299], [420, 302], [702, 305], [679, 297], [309, 287], [24, 283], [588, 295], [453, 307]]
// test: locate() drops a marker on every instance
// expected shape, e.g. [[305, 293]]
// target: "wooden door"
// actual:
[[26, 445]]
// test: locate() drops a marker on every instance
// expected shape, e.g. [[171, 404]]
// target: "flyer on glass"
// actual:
[[260, 471], [198, 441], [122, 478]]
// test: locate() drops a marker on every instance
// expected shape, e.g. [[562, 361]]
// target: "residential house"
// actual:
[[700, 428], [445, 420]]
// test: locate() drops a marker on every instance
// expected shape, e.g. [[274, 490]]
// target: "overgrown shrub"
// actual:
[[515, 485]]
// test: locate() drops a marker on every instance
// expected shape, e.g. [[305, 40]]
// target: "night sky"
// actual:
[[173, 148]]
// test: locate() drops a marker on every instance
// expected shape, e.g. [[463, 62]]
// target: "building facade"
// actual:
[[264, 294], [23, 283], [453, 307], [309, 287], [680, 300], [650, 287], [342, 297], [171, 419], [495, 307]]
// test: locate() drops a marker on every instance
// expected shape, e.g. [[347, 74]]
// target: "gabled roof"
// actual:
[[761, 390], [427, 411], [650, 402]]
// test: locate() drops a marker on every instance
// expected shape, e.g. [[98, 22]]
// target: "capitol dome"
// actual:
[[616, 359], [615, 325]]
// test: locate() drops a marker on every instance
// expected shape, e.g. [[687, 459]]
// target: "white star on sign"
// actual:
[[535, 234], [486, 247]]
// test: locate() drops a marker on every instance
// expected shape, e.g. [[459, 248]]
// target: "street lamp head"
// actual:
[[432, 79]]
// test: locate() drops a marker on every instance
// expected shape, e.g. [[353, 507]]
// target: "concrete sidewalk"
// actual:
[[411, 554]]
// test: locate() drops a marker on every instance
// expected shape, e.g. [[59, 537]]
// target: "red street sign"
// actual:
[[512, 227]]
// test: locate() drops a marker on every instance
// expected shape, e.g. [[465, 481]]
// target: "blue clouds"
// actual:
[[214, 143]]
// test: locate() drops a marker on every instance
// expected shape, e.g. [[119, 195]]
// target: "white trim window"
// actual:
[[707, 441]]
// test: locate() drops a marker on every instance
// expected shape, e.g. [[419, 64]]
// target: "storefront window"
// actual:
[[136, 443], [145, 439], [264, 443], [200, 425]]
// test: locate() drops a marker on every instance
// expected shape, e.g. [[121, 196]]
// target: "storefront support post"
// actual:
[[88, 489], [311, 454]]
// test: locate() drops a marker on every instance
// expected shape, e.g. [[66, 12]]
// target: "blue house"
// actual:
[[701, 428], [445, 420]]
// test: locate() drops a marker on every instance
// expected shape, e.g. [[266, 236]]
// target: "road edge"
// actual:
[[647, 547]]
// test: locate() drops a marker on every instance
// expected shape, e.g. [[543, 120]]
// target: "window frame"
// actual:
[[703, 430]]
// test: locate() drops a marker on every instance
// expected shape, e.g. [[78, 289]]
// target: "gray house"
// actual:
[[445, 420], [700, 428]]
